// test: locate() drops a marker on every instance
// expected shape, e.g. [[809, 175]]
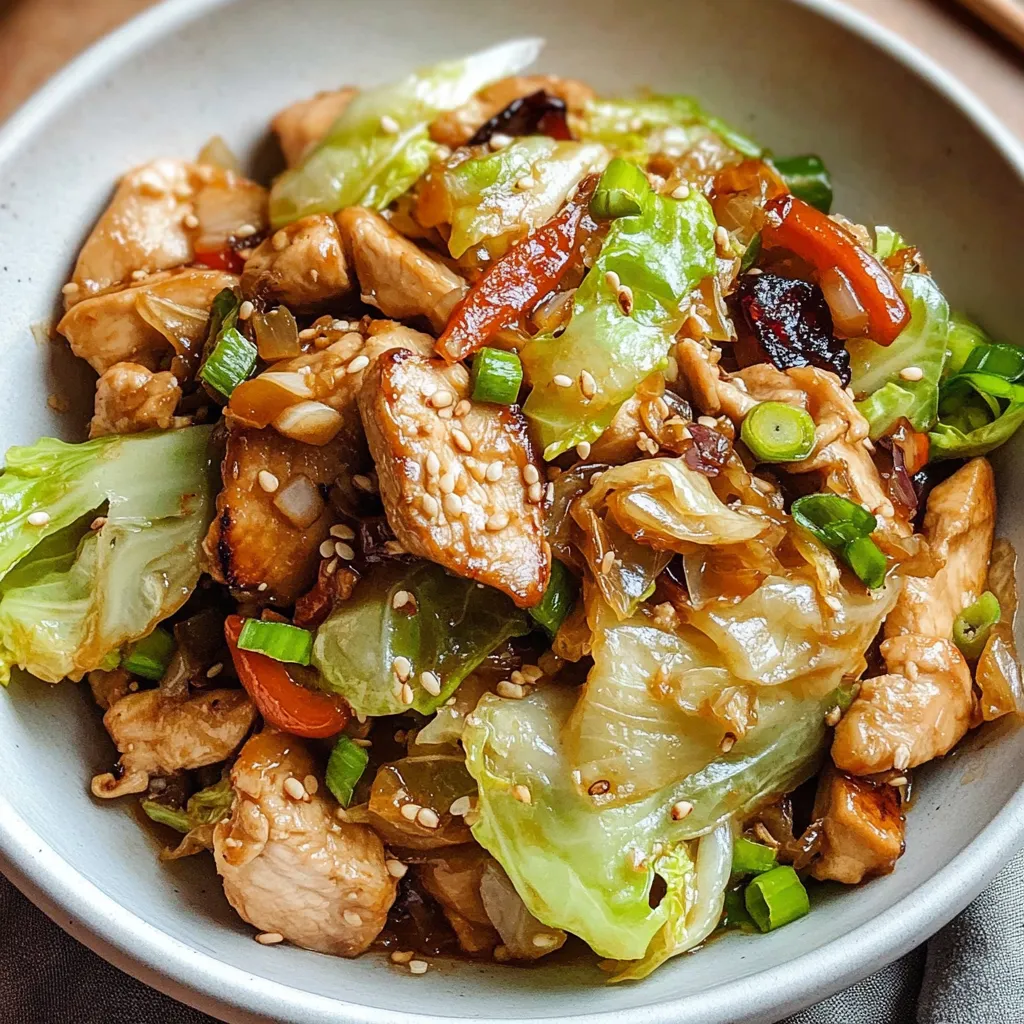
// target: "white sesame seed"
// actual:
[[587, 384], [728, 742], [264, 586], [268, 481], [280, 240], [307, 333], [462, 441], [560, 380], [402, 666], [681, 191], [433, 464], [549, 492], [833, 716], [359, 363], [583, 449], [499, 140], [722, 238], [246, 310], [294, 788], [513, 691], [545, 940], [522, 794], [527, 181], [901, 759], [912, 373], [497, 522], [409, 811], [535, 492], [463, 407], [898, 780], [389, 124], [494, 471], [215, 670], [401, 599], [327, 549], [396, 869], [530, 473], [441, 399], [38, 518], [311, 783], [402, 956], [681, 809], [352, 918], [418, 966], [70, 288], [452, 504], [607, 561], [269, 938], [140, 275], [428, 817], [364, 483], [518, 678], [245, 231], [344, 551], [191, 221], [613, 280], [531, 673], [342, 532], [625, 299], [707, 421], [460, 806], [431, 683], [430, 505], [407, 696]]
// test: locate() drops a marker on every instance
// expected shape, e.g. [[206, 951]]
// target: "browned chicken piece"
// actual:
[[918, 711], [456, 127], [301, 265], [159, 215], [288, 864], [618, 443], [160, 735], [710, 392], [453, 879], [764, 383], [395, 274], [959, 523], [251, 546], [108, 329], [109, 687], [862, 828], [835, 415], [130, 398], [458, 479], [302, 125]]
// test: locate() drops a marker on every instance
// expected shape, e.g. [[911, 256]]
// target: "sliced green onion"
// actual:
[[887, 242], [750, 254], [150, 656], [808, 179], [223, 312], [776, 432], [164, 815], [865, 558], [620, 192], [776, 898], [834, 520], [278, 640], [232, 361], [972, 626], [558, 599], [735, 911], [1006, 361], [345, 768], [750, 858], [497, 376]]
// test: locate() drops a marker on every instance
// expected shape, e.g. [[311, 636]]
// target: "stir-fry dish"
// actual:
[[535, 515]]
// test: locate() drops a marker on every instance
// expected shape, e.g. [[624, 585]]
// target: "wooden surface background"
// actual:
[[37, 37]]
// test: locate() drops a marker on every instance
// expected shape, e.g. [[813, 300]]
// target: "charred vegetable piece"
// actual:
[[150, 656], [283, 702], [277, 640], [497, 376], [345, 768], [525, 274], [540, 113], [776, 898], [808, 179], [973, 625], [808, 233], [776, 432], [792, 325]]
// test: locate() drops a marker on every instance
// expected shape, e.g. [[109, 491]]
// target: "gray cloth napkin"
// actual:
[[971, 972]]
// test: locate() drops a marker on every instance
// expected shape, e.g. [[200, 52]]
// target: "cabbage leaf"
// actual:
[[362, 162], [70, 595], [661, 254]]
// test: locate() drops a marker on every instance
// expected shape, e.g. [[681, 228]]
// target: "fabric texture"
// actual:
[[971, 972]]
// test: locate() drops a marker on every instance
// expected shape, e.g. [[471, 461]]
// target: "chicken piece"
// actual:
[[959, 523], [458, 479], [130, 398], [288, 865], [918, 711], [302, 265], [160, 735], [709, 391], [302, 125], [764, 383], [862, 828], [108, 329], [250, 544], [618, 443], [455, 128], [836, 416], [453, 879], [394, 274], [158, 214], [109, 687]]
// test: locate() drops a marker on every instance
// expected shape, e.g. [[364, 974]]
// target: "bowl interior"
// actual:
[[900, 153]]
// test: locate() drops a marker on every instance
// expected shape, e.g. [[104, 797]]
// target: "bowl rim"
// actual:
[[199, 979]]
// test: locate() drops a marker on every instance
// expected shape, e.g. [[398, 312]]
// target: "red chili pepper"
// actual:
[[225, 259], [526, 273], [813, 236], [281, 700]]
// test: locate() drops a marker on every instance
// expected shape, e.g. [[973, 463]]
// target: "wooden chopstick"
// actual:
[[1005, 16]]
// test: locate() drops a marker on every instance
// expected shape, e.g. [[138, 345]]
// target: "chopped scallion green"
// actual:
[[558, 599], [972, 626], [776, 897], [345, 768], [620, 192], [750, 858], [497, 376], [1006, 361], [277, 640], [232, 361], [865, 558], [776, 432], [150, 656], [808, 179], [846, 528]]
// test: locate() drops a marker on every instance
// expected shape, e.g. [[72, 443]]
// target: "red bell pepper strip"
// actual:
[[278, 698], [813, 236], [225, 259], [525, 274]]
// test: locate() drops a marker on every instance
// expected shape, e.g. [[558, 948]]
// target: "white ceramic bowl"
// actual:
[[906, 145]]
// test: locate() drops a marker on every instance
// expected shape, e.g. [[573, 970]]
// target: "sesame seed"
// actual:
[[545, 940], [583, 449], [307, 333], [461, 806], [462, 441], [245, 231], [672, 370], [280, 240], [707, 421], [499, 140], [407, 696], [402, 666], [38, 518], [342, 532], [140, 275], [430, 505], [427, 817], [431, 683], [531, 673], [418, 966], [215, 670], [607, 561], [833, 716], [447, 482], [912, 373], [549, 492], [722, 238], [513, 691], [518, 677], [389, 124], [463, 407], [268, 481], [587, 384], [327, 549], [191, 221], [681, 191], [409, 811], [98, 523], [613, 280], [70, 288], [441, 399], [342, 815], [625, 299], [402, 956], [527, 181], [452, 505], [530, 473], [497, 522], [522, 794], [560, 380], [311, 784], [344, 551], [535, 492], [728, 742], [901, 760], [269, 938], [364, 483], [246, 310], [264, 586], [352, 918], [899, 780], [294, 788], [599, 788], [401, 599], [362, 743], [433, 464], [681, 809], [396, 869], [494, 472]]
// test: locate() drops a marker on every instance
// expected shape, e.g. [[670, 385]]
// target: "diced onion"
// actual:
[[261, 400], [217, 153], [300, 501], [309, 422], [277, 334], [184, 327], [222, 211], [849, 317]]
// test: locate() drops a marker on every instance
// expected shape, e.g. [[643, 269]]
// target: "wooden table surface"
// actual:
[[39, 36]]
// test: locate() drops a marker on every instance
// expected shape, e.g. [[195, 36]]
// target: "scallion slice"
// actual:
[[277, 640], [846, 528], [865, 558], [776, 432], [1006, 361], [972, 626], [232, 361], [558, 599], [776, 897], [345, 768], [750, 858], [497, 376], [150, 656], [620, 192], [808, 179]]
